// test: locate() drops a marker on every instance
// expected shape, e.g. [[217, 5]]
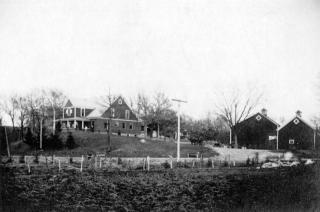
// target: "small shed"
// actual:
[[297, 134]]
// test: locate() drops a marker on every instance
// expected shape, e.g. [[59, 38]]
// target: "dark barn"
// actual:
[[297, 134], [258, 132]]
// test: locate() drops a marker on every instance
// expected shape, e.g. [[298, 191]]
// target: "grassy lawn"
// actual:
[[91, 143]]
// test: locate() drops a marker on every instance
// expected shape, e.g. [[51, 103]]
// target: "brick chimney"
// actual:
[[298, 113], [264, 112]]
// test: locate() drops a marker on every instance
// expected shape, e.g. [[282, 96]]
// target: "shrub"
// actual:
[[119, 161], [36, 159], [29, 138], [166, 165], [53, 142], [248, 162], [58, 127], [21, 159], [209, 163], [70, 144]]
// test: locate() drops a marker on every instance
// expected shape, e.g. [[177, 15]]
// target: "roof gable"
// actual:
[[256, 117], [120, 106], [294, 120]]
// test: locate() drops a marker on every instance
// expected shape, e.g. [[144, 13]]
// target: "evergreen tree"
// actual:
[[70, 144]]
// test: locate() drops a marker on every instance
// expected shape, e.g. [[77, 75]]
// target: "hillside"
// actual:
[[91, 143]]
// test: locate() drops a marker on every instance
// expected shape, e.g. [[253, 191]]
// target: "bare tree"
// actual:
[[22, 113], [56, 100], [236, 108], [10, 107], [41, 107], [106, 101], [37, 111], [161, 104], [144, 110]]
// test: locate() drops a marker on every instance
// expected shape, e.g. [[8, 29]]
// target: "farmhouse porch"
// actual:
[[75, 123]]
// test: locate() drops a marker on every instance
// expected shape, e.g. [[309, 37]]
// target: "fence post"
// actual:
[[29, 170], [234, 163], [59, 165], [212, 164], [192, 164], [148, 163], [81, 163], [100, 162], [144, 164]]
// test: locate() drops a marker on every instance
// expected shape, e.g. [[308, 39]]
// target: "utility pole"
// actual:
[[230, 136], [178, 134]]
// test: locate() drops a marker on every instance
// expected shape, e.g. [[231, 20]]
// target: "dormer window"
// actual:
[[69, 111], [120, 101], [296, 121], [127, 114]]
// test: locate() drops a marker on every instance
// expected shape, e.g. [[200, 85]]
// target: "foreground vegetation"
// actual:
[[174, 190]]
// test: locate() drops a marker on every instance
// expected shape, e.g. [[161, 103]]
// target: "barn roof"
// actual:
[[302, 120], [267, 117]]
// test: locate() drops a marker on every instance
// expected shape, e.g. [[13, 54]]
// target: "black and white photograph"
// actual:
[[160, 105]]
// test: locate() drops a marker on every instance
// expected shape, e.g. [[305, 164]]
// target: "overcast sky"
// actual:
[[188, 49]]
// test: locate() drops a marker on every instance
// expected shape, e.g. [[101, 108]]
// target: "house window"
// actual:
[[142, 128], [112, 112], [82, 112], [124, 125], [120, 101], [130, 126], [127, 114], [291, 141], [105, 125]]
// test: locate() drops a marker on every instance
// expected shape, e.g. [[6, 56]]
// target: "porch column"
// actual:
[[82, 125]]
